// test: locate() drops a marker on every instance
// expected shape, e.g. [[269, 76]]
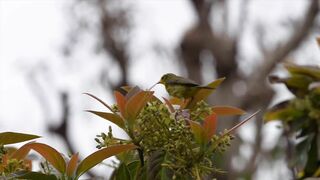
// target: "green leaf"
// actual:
[[13, 137], [126, 156], [298, 84], [204, 93], [50, 154], [142, 173], [282, 111], [100, 155], [227, 110], [133, 168], [122, 172], [198, 132], [166, 173], [311, 71], [114, 118], [312, 162], [154, 164], [210, 126], [34, 176]]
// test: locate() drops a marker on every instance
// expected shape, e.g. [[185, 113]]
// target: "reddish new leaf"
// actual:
[[121, 102], [50, 154], [181, 102], [176, 101], [20, 153], [210, 126], [170, 106], [114, 118], [136, 103], [72, 165], [227, 110], [100, 155]]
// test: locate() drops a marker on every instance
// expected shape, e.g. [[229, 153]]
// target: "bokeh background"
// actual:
[[52, 51]]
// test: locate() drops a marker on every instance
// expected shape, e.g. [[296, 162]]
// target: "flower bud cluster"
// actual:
[[105, 140], [201, 111], [8, 165], [157, 129]]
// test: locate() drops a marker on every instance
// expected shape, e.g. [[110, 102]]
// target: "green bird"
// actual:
[[180, 87]]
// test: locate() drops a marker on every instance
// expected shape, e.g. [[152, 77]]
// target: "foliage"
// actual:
[[15, 165], [169, 139], [301, 116], [175, 138]]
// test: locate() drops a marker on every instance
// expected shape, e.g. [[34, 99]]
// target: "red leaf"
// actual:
[[121, 102], [72, 165], [50, 154], [20, 153], [100, 155], [227, 110], [210, 125], [170, 106], [176, 101], [136, 103]]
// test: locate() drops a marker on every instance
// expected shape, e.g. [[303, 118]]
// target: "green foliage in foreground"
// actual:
[[301, 117], [167, 139]]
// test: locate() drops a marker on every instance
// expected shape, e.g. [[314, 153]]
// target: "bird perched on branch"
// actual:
[[180, 87]]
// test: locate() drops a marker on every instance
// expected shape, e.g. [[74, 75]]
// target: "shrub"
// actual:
[[168, 139]]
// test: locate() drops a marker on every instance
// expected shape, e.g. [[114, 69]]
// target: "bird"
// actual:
[[180, 87]]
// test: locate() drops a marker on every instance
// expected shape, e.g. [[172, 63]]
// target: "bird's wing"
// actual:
[[182, 81]]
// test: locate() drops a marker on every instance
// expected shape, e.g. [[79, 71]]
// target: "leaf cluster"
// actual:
[[301, 116], [175, 138], [168, 139]]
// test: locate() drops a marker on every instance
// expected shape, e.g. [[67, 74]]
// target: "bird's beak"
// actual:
[[153, 85]]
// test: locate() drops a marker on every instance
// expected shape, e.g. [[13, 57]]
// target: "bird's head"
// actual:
[[165, 78]]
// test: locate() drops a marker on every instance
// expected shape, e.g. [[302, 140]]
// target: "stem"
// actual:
[[140, 153]]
